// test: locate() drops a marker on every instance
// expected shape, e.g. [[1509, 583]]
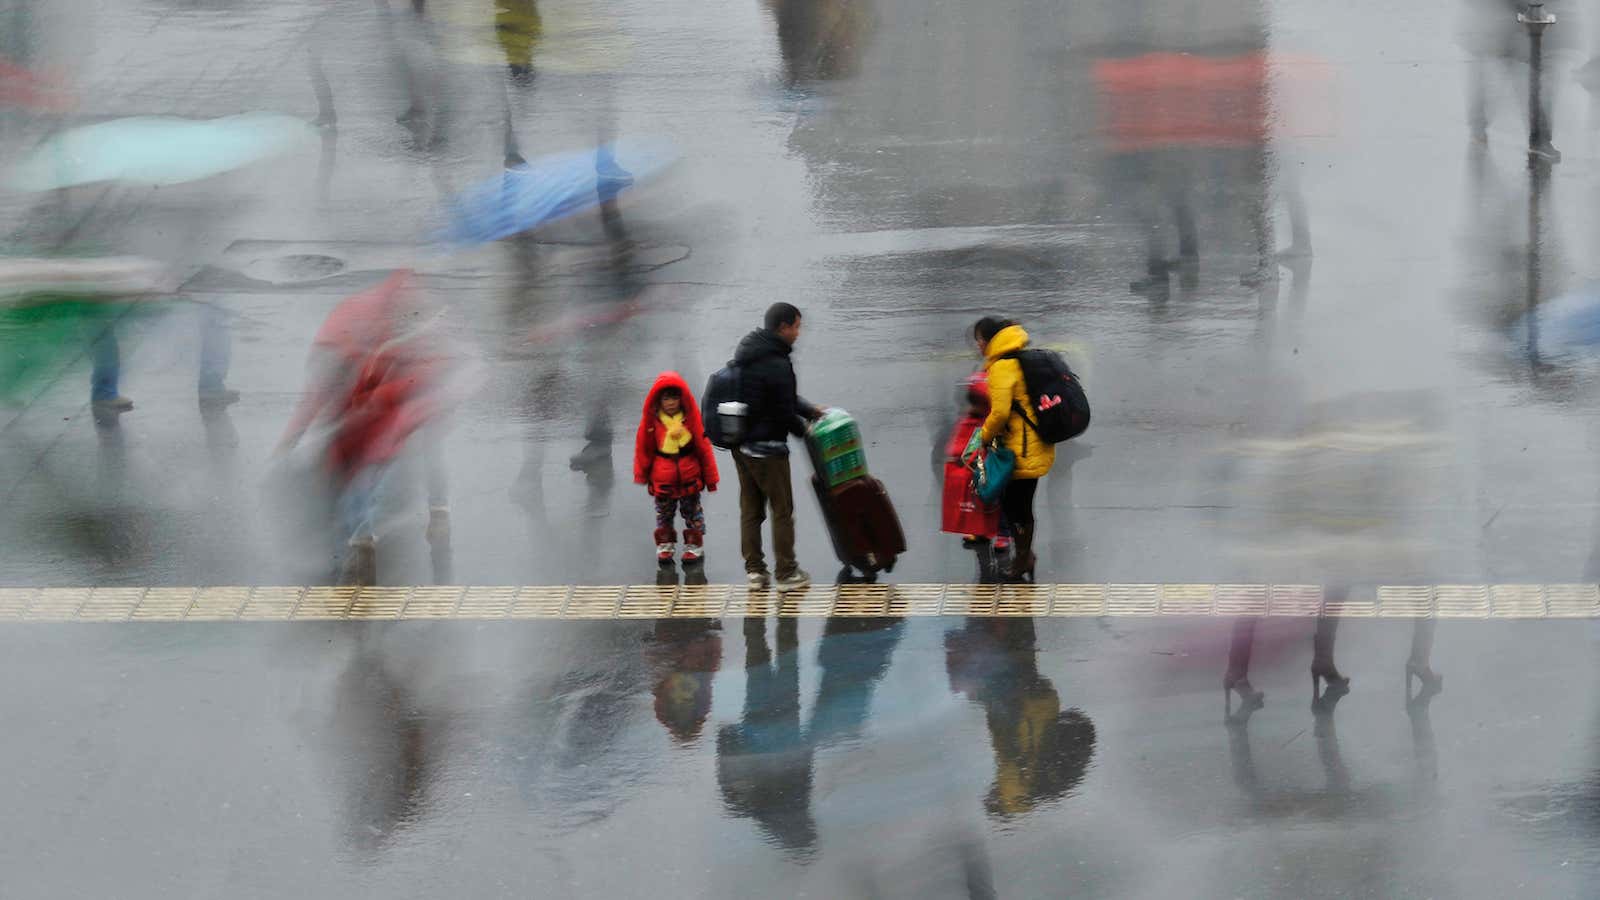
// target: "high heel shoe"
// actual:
[[1331, 678], [1250, 699], [1432, 681], [1248, 695]]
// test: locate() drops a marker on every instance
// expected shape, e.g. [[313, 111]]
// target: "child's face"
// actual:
[[671, 404]]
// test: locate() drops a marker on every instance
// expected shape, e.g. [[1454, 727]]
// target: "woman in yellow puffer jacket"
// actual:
[[1008, 396]]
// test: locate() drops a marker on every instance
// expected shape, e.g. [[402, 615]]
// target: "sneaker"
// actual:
[[118, 404], [758, 580], [794, 581], [665, 552]]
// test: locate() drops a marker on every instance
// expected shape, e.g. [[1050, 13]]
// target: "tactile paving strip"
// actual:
[[430, 603]]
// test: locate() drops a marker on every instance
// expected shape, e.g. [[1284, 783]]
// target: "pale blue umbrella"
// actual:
[[157, 150]]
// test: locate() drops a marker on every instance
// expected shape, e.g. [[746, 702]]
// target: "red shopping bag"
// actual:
[[962, 512]]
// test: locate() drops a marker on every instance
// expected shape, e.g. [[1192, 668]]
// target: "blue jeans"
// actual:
[[358, 503], [107, 365]]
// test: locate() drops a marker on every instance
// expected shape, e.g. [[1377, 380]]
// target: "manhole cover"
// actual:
[[293, 268]]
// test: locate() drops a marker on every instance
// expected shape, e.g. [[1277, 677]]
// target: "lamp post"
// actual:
[[1536, 20]]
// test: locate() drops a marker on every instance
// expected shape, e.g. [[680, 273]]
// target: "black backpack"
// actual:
[[1059, 403], [723, 407]]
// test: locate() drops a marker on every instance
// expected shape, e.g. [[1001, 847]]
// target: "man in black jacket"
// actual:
[[767, 386]]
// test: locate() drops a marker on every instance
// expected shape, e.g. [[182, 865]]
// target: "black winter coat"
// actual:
[[767, 384]]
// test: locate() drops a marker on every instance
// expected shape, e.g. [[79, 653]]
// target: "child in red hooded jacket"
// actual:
[[673, 460]]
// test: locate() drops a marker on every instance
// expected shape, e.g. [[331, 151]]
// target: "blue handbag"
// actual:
[[994, 471]]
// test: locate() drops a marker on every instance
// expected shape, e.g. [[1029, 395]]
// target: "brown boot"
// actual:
[[360, 563], [1022, 559]]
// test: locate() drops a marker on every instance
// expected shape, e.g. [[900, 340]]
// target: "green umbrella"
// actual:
[[52, 309]]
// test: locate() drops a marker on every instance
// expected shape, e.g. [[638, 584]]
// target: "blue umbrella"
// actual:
[[550, 188]]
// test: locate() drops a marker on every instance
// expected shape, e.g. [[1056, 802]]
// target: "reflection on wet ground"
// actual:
[[846, 757]]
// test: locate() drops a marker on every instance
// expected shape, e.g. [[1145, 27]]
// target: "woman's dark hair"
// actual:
[[989, 326], [669, 392]]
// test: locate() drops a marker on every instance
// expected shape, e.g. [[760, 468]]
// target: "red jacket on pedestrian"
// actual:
[[688, 472]]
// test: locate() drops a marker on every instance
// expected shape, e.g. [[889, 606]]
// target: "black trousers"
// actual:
[[1016, 501]]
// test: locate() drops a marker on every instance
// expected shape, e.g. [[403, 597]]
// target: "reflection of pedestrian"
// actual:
[[674, 461], [998, 340], [385, 748], [764, 762], [768, 387], [1041, 753], [686, 655]]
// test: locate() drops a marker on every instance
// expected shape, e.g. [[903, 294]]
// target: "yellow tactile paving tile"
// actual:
[[162, 604], [330, 603], [57, 604], [486, 602], [14, 602], [219, 603], [272, 603]]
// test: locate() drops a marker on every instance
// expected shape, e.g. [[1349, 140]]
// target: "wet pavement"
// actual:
[[1299, 313], [840, 757]]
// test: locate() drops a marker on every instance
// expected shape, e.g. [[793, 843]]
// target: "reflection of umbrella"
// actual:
[[550, 188], [157, 150], [1570, 322]]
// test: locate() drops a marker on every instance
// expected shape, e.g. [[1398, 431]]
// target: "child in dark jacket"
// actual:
[[673, 460]]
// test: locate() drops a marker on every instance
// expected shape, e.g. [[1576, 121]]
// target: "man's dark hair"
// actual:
[[989, 326], [781, 314]]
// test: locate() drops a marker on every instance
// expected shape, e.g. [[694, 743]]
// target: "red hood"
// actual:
[[691, 409], [362, 322]]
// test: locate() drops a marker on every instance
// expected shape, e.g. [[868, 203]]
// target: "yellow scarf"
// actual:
[[674, 437]]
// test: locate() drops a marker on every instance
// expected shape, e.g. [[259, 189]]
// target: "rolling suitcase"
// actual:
[[862, 523], [861, 520]]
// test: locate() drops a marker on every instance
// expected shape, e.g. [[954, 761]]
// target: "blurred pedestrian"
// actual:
[[381, 372], [1010, 409], [768, 386], [674, 461], [962, 512]]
